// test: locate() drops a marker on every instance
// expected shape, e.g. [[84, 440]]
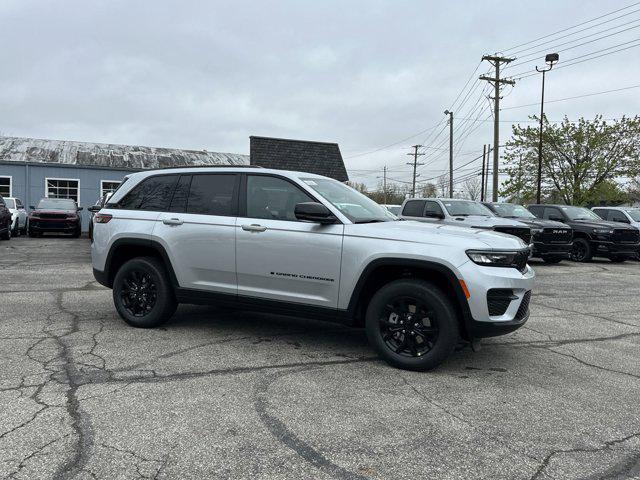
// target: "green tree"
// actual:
[[581, 160]]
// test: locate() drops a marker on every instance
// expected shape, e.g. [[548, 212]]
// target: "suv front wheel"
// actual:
[[412, 324], [142, 294]]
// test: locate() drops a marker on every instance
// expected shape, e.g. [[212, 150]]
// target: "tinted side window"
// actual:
[[153, 194], [537, 211], [19, 203], [551, 212], [617, 216], [213, 194], [180, 195], [273, 198], [413, 208], [601, 212], [433, 207]]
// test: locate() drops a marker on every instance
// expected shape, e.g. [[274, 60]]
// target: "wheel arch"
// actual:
[[125, 249], [382, 271]]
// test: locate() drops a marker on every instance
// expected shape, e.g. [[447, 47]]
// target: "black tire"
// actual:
[[25, 229], [581, 250], [403, 340], [77, 234], [7, 233], [33, 234], [551, 259], [16, 229], [152, 302]]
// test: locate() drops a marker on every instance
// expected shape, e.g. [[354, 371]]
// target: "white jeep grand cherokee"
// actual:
[[306, 245]]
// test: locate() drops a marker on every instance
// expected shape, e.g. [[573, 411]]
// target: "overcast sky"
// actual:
[[206, 75]]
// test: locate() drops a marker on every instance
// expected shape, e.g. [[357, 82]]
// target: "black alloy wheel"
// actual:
[[581, 251], [139, 293], [408, 326], [7, 234], [142, 293], [412, 324]]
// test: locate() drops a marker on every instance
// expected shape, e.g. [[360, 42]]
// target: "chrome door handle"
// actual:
[[254, 228], [172, 221]]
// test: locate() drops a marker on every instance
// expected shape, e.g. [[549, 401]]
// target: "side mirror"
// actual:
[[556, 218], [437, 215], [80, 208], [314, 212], [32, 207], [94, 208]]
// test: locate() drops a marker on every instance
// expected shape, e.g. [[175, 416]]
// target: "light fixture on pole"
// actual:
[[551, 59]]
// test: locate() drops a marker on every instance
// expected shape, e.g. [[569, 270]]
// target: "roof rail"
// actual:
[[207, 166]]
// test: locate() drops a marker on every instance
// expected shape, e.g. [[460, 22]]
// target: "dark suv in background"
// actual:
[[55, 215], [5, 221], [552, 240], [593, 236]]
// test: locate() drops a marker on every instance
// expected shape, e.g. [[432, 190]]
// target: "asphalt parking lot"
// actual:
[[217, 394]]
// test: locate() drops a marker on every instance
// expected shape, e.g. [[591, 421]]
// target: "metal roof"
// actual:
[[103, 155]]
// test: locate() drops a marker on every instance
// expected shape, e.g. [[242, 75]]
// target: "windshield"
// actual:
[[352, 204], [511, 210], [10, 202], [56, 204], [580, 213], [461, 208], [634, 214]]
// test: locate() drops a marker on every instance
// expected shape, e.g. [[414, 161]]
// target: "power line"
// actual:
[[577, 96], [574, 26]]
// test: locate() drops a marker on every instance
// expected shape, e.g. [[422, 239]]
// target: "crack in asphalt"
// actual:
[[605, 446], [286, 437]]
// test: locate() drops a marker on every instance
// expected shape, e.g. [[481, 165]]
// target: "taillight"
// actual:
[[103, 217]]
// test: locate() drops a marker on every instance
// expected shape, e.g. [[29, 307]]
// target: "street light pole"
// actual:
[[550, 59], [450, 113]]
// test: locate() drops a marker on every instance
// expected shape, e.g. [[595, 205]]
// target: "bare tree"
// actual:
[[443, 185], [472, 188]]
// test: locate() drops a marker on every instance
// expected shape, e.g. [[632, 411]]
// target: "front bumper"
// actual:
[[605, 248], [479, 280], [555, 249], [53, 225]]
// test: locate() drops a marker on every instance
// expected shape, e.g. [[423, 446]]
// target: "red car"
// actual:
[[5, 221], [55, 215]]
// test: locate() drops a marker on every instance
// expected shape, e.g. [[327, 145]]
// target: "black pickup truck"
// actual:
[[552, 241], [593, 236]]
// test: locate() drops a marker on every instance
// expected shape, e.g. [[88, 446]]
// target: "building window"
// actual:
[[63, 188], [108, 186], [5, 186]]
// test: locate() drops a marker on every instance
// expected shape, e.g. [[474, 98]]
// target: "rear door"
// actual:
[[198, 231], [279, 257]]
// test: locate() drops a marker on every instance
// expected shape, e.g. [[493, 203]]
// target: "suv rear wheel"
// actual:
[[141, 293], [412, 324]]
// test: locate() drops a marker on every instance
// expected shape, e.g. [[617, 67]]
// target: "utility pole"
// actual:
[[484, 155], [450, 113], [415, 165], [384, 183], [496, 61], [486, 176]]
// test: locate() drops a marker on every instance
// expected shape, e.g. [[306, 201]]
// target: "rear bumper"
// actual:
[[610, 248], [555, 249]]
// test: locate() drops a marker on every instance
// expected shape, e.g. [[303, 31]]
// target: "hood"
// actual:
[[435, 234], [49, 210], [603, 224], [480, 221], [541, 223]]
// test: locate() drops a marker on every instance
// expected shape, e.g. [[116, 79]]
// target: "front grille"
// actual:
[[626, 235], [498, 300], [53, 215], [523, 310], [523, 233], [557, 235]]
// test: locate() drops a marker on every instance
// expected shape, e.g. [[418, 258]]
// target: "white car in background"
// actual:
[[395, 209], [18, 216], [627, 215]]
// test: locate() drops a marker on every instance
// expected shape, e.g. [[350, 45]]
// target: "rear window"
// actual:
[[153, 194], [413, 208]]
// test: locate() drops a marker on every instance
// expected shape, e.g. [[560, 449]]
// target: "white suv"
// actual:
[[19, 215], [306, 245]]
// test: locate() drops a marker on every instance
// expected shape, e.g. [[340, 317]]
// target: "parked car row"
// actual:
[[50, 215], [555, 232]]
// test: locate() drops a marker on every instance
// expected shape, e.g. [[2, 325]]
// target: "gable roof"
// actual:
[[123, 157], [322, 158]]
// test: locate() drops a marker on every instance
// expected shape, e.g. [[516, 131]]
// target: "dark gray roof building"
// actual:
[[322, 158]]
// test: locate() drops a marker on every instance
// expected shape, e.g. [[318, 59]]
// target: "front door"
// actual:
[[199, 230], [279, 257]]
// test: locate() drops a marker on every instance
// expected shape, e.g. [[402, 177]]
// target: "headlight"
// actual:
[[516, 259], [603, 231]]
